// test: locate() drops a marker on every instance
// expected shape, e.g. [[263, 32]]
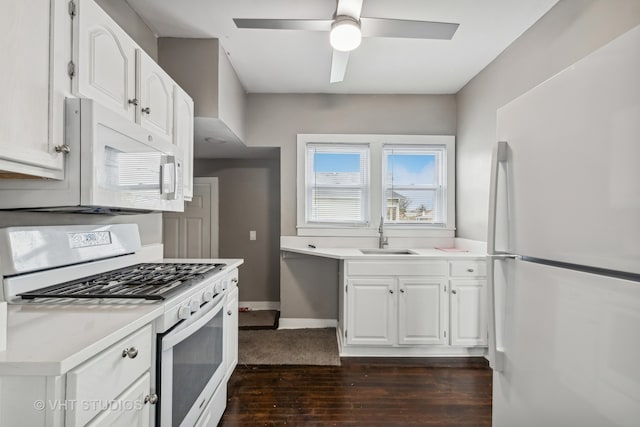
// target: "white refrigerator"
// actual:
[[564, 247]]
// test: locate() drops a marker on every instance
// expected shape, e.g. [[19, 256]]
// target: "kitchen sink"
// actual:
[[387, 252]]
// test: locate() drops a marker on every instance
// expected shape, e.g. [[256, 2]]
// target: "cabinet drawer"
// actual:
[[396, 268], [107, 375], [468, 268]]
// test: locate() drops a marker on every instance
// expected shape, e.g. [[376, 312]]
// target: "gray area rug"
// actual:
[[258, 319], [288, 347]]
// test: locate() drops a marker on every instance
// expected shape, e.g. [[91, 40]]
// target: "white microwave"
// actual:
[[113, 166]]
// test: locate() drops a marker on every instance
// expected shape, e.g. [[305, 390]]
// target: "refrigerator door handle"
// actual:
[[496, 350], [499, 156]]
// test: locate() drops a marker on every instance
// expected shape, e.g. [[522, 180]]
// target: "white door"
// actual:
[[183, 135], [194, 232], [26, 139], [231, 331], [105, 60], [155, 89], [422, 311], [371, 314], [468, 313]]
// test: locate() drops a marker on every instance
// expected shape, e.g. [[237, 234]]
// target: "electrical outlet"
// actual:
[[252, 234]]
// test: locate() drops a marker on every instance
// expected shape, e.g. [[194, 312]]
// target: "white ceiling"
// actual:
[[278, 61]]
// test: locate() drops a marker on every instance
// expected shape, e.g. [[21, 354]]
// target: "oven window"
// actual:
[[195, 360]]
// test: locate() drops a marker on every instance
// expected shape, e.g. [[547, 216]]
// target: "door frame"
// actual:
[[215, 214]]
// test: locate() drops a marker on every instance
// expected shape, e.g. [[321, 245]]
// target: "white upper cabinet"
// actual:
[[183, 135], [155, 89], [32, 101], [105, 60]]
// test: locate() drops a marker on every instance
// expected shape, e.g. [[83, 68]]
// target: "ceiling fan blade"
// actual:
[[380, 27], [351, 8], [338, 66], [285, 24]]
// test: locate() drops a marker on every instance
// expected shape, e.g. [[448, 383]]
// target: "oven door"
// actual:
[[191, 365]]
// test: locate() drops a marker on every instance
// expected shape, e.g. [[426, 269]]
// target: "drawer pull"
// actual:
[[146, 110], [470, 270], [229, 312], [453, 291], [130, 352], [151, 398]]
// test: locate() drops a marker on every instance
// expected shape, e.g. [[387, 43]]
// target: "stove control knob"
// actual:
[[207, 295], [194, 305], [218, 287], [184, 312]]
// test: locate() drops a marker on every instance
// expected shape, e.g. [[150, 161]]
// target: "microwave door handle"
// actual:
[[168, 172]]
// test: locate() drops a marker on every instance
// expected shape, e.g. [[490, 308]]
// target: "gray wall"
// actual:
[[130, 21], [150, 225], [568, 32], [249, 200], [308, 286]]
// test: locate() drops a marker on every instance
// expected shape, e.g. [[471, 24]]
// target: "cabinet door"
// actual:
[[129, 409], [231, 331], [468, 313], [183, 136], [422, 311], [371, 311], [105, 60], [30, 105], [156, 96]]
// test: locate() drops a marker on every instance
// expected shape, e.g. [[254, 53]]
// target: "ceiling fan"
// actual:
[[347, 28]]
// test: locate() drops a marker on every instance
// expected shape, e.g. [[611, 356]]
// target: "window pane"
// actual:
[[337, 182], [336, 205], [413, 184], [411, 169], [412, 205]]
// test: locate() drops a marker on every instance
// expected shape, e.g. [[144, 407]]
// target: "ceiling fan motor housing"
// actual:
[[345, 33]]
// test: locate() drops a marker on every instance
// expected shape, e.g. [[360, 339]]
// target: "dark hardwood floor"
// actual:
[[363, 392]]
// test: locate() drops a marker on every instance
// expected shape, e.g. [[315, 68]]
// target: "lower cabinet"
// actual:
[[439, 309], [468, 313], [130, 409]]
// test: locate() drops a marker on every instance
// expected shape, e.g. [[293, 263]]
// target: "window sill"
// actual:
[[390, 231]]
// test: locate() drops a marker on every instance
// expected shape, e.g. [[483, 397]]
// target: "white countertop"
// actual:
[[47, 339], [355, 253]]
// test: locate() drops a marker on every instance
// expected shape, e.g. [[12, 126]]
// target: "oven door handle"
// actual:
[[172, 339]]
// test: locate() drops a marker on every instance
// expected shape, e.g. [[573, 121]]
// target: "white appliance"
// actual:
[[564, 246], [112, 166], [100, 265]]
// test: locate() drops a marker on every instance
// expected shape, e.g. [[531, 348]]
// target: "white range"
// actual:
[[97, 332]]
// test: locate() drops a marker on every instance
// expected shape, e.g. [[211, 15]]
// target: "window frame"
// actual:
[[440, 151], [365, 187], [376, 181]]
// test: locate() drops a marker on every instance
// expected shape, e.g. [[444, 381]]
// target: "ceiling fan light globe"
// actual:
[[345, 35]]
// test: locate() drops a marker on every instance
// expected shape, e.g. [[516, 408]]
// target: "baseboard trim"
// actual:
[[260, 305], [295, 323]]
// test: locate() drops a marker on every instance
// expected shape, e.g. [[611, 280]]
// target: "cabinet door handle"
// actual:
[[133, 101], [229, 312], [234, 280], [390, 291], [130, 352], [402, 291], [146, 110], [151, 398], [470, 270], [453, 291]]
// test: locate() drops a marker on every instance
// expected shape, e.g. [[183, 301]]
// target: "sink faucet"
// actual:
[[383, 241]]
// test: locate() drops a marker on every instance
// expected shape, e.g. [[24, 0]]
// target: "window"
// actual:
[[413, 184], [337, 183], [347, 182]]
